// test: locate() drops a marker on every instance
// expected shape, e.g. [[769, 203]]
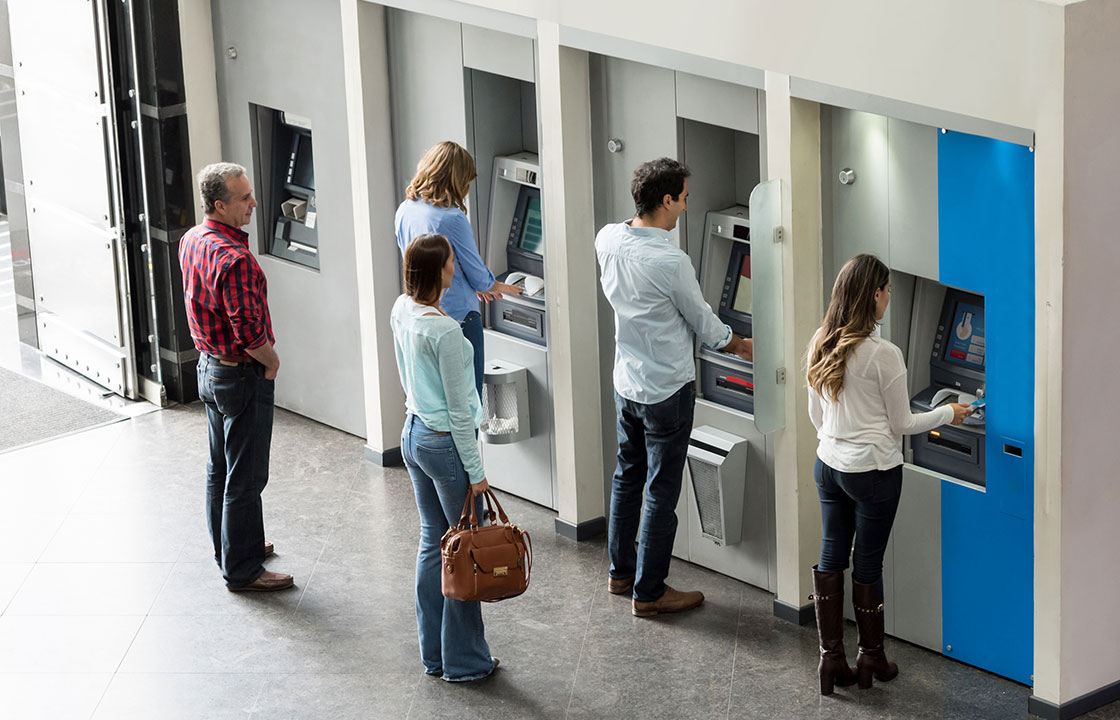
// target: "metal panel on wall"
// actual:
[[65, 249], [915, 560], [69, 151], [499, 53], [314, 314], [912, 183], [986, 232], [55, 129]]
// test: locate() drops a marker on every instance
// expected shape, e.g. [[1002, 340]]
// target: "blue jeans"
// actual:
[[860, 505], [472, 331], [652, 446], [239, 408], [451, 633]]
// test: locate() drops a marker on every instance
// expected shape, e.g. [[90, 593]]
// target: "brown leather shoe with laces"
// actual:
[[267, 582], [672, 601], [269, 548]]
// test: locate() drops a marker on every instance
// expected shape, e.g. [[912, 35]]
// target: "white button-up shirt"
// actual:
[[658, 306]]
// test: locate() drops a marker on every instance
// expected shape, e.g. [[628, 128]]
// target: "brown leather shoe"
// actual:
[[269, 548], [267, 582], [620, 586], [672, 601]]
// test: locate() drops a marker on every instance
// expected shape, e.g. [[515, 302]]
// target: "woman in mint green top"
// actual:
[[436, 364]]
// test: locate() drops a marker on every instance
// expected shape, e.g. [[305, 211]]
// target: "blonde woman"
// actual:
[[436, 203], [859, 403]]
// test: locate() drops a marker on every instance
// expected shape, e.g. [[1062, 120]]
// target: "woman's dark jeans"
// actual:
[[862, 505]]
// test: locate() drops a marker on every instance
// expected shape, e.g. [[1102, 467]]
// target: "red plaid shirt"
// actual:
[[225, 290]]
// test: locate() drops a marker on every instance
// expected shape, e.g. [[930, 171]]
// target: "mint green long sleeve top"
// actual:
[[436, 364]]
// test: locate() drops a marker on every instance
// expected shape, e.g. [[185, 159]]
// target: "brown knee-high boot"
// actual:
[[828, 601], [867, 601]]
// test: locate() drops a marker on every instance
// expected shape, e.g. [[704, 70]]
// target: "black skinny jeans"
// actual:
[[860, 505]]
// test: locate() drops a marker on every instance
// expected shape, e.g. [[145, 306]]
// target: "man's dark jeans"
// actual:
[[239, 407], [652, 446], [860, 505]]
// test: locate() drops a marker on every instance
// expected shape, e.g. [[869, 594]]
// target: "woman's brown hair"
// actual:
[[424, 259], [443, 176], [850, 319]]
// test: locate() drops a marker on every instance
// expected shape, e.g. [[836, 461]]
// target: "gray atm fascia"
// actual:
[[314, 314], [891, 210], [644, 106], [526, 468]]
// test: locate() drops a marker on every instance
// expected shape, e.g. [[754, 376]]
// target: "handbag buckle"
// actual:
[[501, 571]]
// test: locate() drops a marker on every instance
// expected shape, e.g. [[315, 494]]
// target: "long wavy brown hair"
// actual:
[[443, 176], [850, 319]]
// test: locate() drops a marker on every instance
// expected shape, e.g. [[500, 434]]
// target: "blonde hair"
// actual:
[[443, 176], [850, 319]]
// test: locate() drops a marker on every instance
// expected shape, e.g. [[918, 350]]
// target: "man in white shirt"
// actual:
[[658, 309]]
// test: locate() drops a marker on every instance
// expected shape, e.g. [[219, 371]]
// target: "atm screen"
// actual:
[[742, 300], [302, 166], [964, 339], [532, 227]]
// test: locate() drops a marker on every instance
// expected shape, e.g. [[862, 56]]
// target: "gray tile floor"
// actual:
[[112, 608]]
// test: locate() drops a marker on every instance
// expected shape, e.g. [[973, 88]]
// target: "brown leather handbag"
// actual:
[[488, 563]]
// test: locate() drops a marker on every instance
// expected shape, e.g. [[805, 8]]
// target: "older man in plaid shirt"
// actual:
[[227, 310]]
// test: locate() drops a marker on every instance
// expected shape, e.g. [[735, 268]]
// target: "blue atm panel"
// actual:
[[986, 245]]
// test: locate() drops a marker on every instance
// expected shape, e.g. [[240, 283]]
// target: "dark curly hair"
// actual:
[[654, 180]]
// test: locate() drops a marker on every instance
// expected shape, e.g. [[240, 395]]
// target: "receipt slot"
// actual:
[[717, 469], [505, 404]]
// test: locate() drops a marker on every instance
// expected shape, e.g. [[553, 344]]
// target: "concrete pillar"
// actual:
[[570, 268], [793, 141], [366, 70]]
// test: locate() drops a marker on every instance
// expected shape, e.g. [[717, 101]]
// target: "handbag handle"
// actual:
[[469, 518]]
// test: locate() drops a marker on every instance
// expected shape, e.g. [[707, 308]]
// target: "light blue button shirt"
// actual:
[[415, 217], [436, 364], [658, 306]]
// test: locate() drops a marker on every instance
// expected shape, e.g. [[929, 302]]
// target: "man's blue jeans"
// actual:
[[652, 446], [451, 632], [239, 408], [860, 506], [472, 331]]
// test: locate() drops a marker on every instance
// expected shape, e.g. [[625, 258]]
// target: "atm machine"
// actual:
[[290, 194], [518, 453], [956, 370], [727, 379], [729, 481]]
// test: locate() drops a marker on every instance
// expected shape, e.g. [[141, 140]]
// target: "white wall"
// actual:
[[1090, 651]]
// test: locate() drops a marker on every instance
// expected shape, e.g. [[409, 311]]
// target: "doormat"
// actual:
[[31, 412]]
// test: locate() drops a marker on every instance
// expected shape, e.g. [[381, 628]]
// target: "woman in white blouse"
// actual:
[[860, 406]]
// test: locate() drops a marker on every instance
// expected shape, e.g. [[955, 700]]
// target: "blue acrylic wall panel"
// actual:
[[986, 234]]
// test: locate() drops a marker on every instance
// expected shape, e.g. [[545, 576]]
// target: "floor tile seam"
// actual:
[[12, 599], [582, 647], [735, 654], [94, 472]]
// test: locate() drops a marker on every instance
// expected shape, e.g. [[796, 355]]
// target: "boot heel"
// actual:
[[827, 683], [863, 674]]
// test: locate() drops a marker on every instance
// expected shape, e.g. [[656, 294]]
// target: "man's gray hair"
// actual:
[[212, 181]]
